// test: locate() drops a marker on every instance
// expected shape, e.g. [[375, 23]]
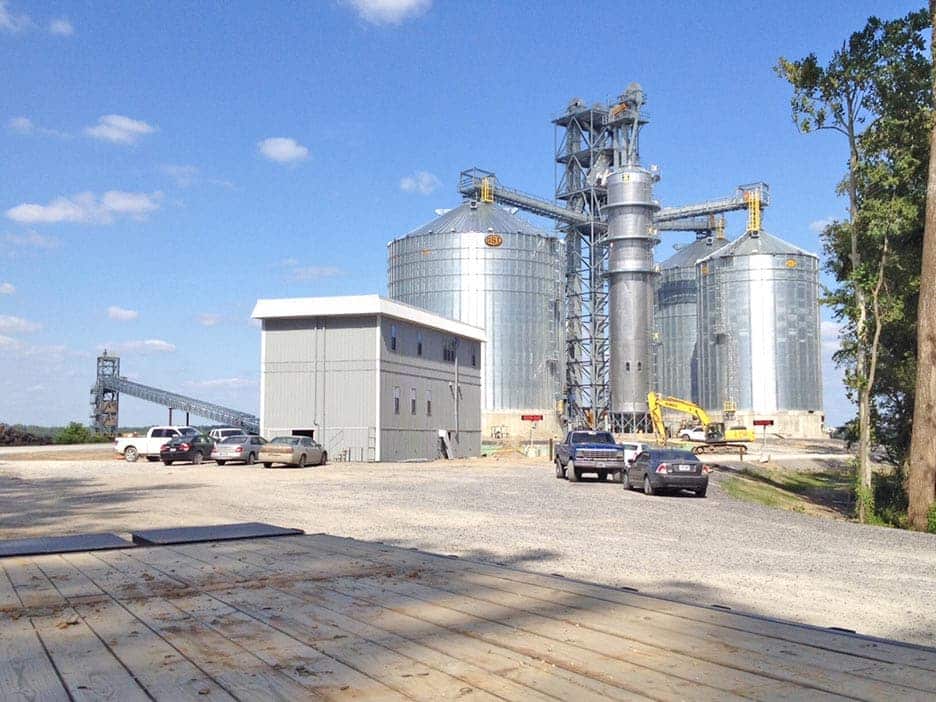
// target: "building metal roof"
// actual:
[[359, 306], [687, 255], [482, 217], [751, 244]]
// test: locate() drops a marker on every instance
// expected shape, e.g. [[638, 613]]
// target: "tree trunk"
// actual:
[[861, 332], [921, 480]]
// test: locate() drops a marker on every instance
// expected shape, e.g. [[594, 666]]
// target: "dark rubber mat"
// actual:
[[217, 532], [61, 544]]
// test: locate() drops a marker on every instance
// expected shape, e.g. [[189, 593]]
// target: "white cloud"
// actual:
[[62, 27], [306, 273], [209, 320], [119, 129], [389, 11], [17, 325], [23, 125], [86, 208], [421, 182], [820, 225], [121, 314], [183, 175], [26, 127], [283, 150], [33, 240], [7, 288], [223, 383], [142, 346], [829, 335], [10, 22]]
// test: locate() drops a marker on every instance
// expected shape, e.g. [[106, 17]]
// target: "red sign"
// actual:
[[531, 417], [763, 422]]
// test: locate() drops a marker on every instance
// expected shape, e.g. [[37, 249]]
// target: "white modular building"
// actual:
[[369, 378]]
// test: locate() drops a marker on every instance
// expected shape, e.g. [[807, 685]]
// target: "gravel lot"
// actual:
[[714, 551]]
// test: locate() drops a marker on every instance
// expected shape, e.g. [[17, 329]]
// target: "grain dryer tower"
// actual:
[[482, 265], [759, 334]]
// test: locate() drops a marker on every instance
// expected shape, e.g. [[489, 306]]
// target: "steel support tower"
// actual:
[[105, 398]]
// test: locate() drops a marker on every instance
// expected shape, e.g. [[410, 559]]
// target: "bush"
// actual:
[[75, 433], [931, 519]]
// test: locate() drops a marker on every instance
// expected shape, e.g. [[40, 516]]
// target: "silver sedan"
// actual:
[[241, 448]]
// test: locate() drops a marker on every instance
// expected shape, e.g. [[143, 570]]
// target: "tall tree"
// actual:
[[858, 94], [921, 482]]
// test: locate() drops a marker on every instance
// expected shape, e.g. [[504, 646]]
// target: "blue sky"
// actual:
[[163, 165]]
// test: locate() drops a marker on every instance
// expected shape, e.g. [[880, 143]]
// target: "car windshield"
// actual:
[[687, 456], [592, 437], [188, 431], [291, 440], [234, 440]]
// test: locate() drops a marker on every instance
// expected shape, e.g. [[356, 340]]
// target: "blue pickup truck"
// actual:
[[592, 452]]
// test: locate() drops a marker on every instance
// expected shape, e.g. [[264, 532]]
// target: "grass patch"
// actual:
[[812, 492]]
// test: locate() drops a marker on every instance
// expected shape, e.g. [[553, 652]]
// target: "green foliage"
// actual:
[[890, 498], [931, 519], [877, 91], [77, 433]]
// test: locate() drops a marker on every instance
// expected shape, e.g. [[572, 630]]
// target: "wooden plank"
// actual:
[[124, 577], [826, 670], [869, 648], [533, 674], [458, 617], [88, 668], [26, 673], [31, 584], [9, 600], [247, 671], [70, 582]]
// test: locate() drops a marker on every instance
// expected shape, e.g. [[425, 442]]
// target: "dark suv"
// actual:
[[186, 448], [658, 470]]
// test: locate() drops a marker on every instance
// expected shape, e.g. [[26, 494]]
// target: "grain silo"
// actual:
[[759, 347], [482, 265], [675, 318]]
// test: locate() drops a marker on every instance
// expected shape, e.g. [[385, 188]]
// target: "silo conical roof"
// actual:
[[751, 244], [689, 254], [473, 216]]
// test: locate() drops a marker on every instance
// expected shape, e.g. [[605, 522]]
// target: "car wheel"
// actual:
[[251, 459], [602, 475], [220, 463], [197, 458], [131, 454], [648, 486], [560, 474], [267, 465], [701, 493], [302, 460], [625, 480], [571, 472], [167, 463], [324, 458]]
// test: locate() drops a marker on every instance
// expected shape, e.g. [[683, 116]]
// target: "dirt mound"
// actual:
[[14, 436]]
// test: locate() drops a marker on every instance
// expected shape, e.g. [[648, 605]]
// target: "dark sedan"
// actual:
[[660, 470], [186, 448]]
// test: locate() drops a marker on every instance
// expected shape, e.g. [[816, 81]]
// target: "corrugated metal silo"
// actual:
[[484, 266], [675, 320], [759, 332]]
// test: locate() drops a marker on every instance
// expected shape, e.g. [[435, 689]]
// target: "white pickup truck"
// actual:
[[132, 447]]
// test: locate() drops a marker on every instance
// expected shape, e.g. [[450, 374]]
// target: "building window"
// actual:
[[412, 400], [639, 365], [627, 366], [428, 403], [448, 350], [393, 337], [419, 343], [396, 400], [474, 358]]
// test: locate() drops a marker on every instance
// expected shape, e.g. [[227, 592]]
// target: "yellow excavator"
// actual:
[[717, 438]]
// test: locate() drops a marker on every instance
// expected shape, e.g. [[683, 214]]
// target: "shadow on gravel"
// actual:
[[58, 506]]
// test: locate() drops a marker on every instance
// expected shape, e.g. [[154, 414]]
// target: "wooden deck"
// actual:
[[317, 616]]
